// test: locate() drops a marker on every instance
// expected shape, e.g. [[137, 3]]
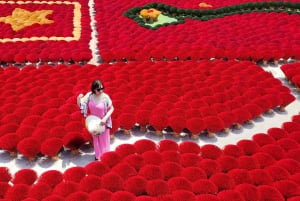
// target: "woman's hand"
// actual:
[[102, 122], [79, 97]]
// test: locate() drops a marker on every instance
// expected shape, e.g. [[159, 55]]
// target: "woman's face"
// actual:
[[99, 90]]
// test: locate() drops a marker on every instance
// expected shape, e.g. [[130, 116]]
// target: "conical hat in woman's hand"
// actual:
[[92, 124]]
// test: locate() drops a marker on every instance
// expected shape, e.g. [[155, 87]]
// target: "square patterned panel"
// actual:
[[44, 30]]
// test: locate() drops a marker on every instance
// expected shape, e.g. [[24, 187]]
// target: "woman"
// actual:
[[99, 104]]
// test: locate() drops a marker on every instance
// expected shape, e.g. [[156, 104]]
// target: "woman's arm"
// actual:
[[107, 115], [82, 98], [82, 102]]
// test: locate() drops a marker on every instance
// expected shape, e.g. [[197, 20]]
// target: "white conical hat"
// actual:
[[92, 124]]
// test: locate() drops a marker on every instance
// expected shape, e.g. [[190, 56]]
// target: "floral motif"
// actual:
[[150, 15]]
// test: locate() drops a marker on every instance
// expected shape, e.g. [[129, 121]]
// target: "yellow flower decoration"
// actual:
[[150, 14], [21, 18]]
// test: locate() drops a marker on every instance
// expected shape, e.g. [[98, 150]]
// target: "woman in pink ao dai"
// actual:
[[98, 103]]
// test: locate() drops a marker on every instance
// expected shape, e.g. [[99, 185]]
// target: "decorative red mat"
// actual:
[[39, 111], [44, 30], [255, 35]]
